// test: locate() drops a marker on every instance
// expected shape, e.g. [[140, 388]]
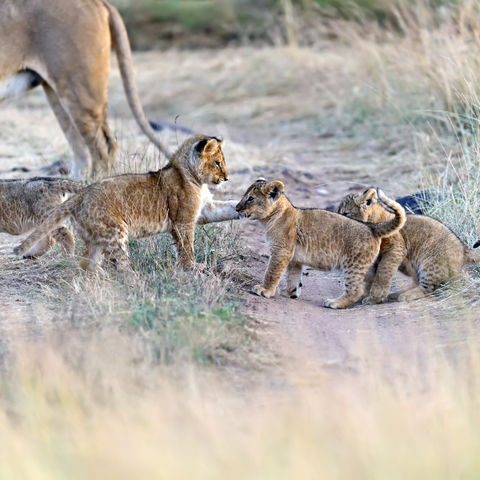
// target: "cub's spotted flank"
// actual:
[[424, 249], [314, 237], [25, 204], [106, 214]]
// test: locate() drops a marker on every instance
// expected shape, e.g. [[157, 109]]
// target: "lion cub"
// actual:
[[107, 213], [314, 237], [424, 249], [25, 203]]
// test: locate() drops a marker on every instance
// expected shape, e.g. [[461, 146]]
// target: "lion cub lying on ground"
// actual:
[[314, 237], [424, 249], [172, 199], [25, 203]]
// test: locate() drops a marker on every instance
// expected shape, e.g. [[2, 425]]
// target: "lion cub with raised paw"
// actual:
[[173, 199], [26, 203], [424, 249], [317, 238]]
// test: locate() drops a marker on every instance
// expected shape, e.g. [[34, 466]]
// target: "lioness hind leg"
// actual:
[[91, 125], [110, 142], [89, 114], [81, 156], [354, 288]]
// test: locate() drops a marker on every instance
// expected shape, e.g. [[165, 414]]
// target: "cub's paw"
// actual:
[[369, 300], [335, 303], [262, 292], [290, 292], [393, 297]]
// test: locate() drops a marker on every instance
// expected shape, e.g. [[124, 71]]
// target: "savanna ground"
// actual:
[[165, 374]]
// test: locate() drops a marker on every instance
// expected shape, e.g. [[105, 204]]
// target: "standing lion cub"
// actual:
[[314, 237], [107, 213], [25, 203], [424, 249]]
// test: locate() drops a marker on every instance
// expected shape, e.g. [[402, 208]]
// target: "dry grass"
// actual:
[[102, 400], [174, 317], [71, 409]]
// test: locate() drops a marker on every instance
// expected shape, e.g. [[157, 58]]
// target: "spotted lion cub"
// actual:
[[424, 249], [25, 203], [107, 213], [314, 237]]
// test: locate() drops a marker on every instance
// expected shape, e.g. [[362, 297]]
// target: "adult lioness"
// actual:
[[64, 45]]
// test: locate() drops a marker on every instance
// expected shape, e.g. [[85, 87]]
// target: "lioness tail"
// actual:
[[124, 56]]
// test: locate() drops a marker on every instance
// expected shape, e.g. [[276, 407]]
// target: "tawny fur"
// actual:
[[64, 45], [314, 237], [107, 213], [424, 249], [25, 204]]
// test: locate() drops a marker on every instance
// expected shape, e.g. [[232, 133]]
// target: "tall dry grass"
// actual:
[[88, 410], [431, 66]]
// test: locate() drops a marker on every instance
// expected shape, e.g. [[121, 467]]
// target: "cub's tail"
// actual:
[[54, 219], [64, 185], [389, 228], [59, 185]]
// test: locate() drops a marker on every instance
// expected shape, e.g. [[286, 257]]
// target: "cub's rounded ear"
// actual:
[[274, 189], [206, 146], [369, 197], [200, 146]]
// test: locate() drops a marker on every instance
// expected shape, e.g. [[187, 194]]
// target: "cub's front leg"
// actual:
[[218, 211], [279, 260], [183, 236], [294, 280]]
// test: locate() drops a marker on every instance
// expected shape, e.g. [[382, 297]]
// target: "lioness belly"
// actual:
[[16, 85]]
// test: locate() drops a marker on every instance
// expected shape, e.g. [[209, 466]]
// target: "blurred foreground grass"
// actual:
[[86, 410]]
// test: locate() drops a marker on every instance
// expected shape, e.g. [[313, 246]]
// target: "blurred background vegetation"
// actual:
[[216, 23]]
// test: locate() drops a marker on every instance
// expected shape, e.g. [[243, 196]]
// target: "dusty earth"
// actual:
[[269, 127]]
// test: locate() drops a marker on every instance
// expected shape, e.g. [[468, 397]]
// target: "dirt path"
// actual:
[[350, 341]]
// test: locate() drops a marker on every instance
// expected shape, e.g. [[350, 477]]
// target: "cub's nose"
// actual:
[[237, 207], [225, 179]]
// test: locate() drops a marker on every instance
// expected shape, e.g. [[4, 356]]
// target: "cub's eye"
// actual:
[[218, 164], [250, 199]]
